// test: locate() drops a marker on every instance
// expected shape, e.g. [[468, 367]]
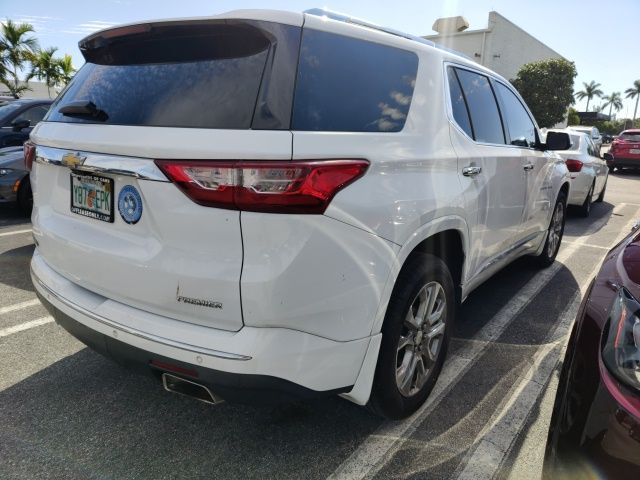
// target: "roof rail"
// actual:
[[341, 17]]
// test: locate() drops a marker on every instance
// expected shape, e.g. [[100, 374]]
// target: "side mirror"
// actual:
[[608, 156], [558, 141], [19, 125]]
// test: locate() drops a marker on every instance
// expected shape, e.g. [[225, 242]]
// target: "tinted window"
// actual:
[[522, 131], [205, 76], [34, 114], [483, 108], [458, 103], [346, 84], [630, 136]]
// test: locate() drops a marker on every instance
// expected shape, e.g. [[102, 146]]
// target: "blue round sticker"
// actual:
[[130, 204]]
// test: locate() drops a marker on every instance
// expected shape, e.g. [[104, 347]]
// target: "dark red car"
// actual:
[[595, 427], [625, 151]]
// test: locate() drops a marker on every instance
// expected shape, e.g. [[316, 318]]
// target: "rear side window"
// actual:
[[351, 85], [199, 75], [575, 142], [458, 103], [483, 109], [522, 130]]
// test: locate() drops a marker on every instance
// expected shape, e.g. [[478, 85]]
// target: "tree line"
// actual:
[[547, 87], [592, 90], [20, 52]]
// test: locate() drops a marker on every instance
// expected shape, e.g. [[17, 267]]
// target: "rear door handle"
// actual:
[[529, 166], [471, 171]]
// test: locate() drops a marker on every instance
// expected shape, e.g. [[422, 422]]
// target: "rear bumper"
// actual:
[[253, 365], [624, 162]]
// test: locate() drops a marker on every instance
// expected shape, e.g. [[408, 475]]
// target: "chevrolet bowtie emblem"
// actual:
[[72, 160]]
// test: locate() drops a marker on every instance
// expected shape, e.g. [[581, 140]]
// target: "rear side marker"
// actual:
[[263, 186]]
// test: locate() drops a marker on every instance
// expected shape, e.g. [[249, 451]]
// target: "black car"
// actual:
[[18, 118], [595, 427]]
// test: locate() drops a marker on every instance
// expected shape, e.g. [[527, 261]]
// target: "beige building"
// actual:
[[502, 46], [38, 90]]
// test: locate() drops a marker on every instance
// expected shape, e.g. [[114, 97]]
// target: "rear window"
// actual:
[[630, 136], [347, 84], [181, 75]]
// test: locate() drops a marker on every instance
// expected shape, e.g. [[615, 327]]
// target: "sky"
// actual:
[[596, 35]]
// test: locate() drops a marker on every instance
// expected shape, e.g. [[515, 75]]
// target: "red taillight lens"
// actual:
[[574, 165], [29, 150], [264, 186]]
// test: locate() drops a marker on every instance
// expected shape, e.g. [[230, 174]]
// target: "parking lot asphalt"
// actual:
[[66, 412]]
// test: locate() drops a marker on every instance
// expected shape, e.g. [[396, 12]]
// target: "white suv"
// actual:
[[264, 205]]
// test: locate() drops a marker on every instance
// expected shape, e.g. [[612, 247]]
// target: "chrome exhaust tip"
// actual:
[[188, 388]]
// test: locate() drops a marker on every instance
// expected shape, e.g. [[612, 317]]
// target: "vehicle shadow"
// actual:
[[10, 214], [577, 226], [86, 417], [14, 267]]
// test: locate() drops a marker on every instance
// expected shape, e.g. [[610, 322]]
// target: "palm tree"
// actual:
[[591, 89], [17, 48], [66, 69], [613, 101], [634, 93], [45, 67]]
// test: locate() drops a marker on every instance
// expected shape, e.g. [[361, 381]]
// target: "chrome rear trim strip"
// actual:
[[141, 168]]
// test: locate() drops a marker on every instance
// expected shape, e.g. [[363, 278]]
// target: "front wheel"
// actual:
[[554, 233], [415, 336]]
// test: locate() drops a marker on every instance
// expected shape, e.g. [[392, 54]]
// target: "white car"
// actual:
[[592, 132], [196, 220], [589, 172]]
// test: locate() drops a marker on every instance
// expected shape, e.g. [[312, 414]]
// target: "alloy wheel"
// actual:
[[555, 230], [421, 338]]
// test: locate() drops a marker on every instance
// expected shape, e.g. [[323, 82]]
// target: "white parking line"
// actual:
[[15, 232], [5, 332], [19, 306], [367, 459], [495, 440], [589, 245]]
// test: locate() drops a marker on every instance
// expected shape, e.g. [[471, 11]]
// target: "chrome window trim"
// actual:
[[141, 168]]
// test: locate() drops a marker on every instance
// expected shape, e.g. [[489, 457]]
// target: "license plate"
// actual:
[[92, 196], [634, 151]]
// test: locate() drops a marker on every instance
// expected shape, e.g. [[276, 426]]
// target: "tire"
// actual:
[[398, 392], [25, 196], [611, 169], [585, 209], [552, 242], [600, 198]]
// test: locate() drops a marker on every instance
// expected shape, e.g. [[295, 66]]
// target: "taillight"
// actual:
[[29, 150], [574, 165], [263, 186]]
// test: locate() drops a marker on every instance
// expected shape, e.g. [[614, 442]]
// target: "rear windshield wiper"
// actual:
[[84, 109]]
